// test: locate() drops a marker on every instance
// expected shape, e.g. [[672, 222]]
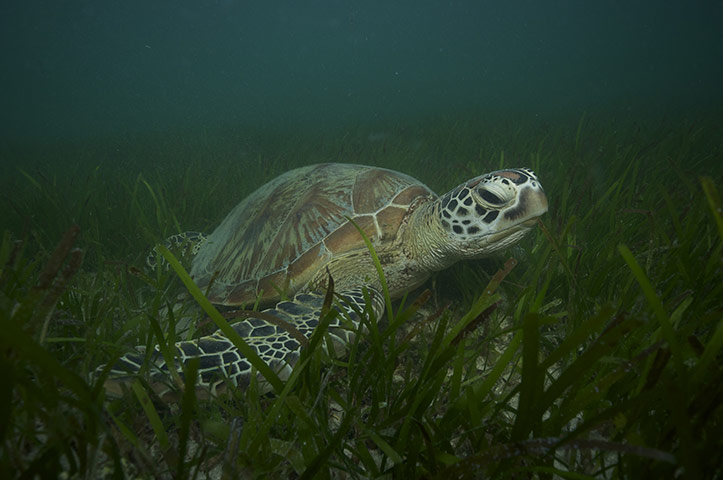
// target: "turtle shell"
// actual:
[[283, 233]]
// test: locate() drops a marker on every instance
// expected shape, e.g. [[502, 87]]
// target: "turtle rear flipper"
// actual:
[[184, 246], [275, 334]]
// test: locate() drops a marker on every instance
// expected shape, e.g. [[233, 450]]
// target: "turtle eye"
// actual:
[[490, 197]]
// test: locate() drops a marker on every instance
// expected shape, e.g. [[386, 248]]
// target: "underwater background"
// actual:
[[596, 353], [88, 68]]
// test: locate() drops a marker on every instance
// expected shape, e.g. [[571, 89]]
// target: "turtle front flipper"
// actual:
[[184, 246], [273, 334]]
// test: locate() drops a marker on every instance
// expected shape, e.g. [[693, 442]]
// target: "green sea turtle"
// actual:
[[293, 233]]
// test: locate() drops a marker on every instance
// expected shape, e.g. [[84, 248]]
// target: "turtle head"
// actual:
[[491, 212]]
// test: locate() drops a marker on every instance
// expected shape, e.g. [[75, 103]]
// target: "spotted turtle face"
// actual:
[[492, 211]]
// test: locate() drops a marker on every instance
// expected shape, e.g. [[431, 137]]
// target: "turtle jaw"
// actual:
[[504, 238], [530, 223]]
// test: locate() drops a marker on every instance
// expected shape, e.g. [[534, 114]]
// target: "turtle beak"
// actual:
[[537, 201], [531, 205]]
